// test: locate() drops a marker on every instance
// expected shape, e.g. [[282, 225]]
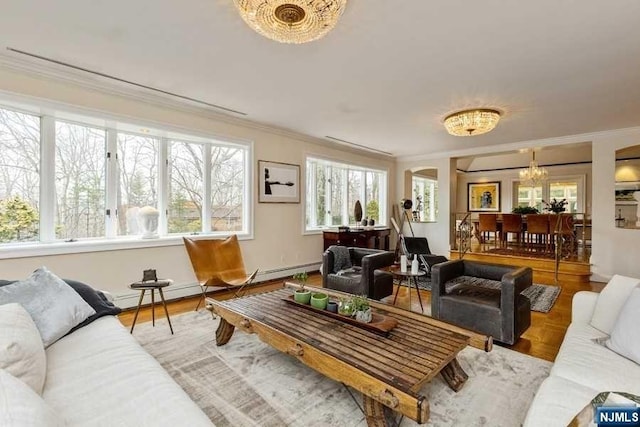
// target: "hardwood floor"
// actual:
[[541, 340]]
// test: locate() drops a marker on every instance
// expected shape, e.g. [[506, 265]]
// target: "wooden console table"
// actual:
[[377, 238]]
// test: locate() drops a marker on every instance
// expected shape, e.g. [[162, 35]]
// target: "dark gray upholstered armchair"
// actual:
[[420, 246], [364, 276], [502, 313]]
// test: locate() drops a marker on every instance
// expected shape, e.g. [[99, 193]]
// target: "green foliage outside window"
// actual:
[[18, 220]]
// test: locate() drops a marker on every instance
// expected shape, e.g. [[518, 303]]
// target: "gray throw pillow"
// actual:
[[52, 304]]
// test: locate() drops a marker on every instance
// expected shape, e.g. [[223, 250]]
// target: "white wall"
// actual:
[[437, 232], [278, 228], [615, 250]]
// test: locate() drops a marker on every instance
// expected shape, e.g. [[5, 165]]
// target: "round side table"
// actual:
[[400, 275], [151, 285]]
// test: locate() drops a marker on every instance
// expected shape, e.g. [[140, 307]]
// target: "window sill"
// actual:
[[25, 250]]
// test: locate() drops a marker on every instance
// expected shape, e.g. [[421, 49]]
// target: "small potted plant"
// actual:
[[524, 210], [555, 206], [319, 300], [301, 295], [345, 306], [362, 309]]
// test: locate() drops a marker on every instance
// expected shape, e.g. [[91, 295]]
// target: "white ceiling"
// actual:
[[385, 77]]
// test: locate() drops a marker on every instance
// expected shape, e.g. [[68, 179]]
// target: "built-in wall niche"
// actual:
[[423, 192], [627, 188]]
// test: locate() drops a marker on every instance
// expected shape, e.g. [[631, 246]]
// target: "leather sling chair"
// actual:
[[218, 263]]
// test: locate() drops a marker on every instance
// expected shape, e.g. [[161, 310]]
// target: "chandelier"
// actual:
[[471, 122], [291, 21], [534, 175]]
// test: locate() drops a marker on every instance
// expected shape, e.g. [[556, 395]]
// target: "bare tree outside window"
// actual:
[[227, 188], [185, 187], [19, 176], [137, 179], [80, 171], [355, 191]]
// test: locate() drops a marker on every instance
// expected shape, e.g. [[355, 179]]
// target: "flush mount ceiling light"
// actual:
[[533, 176], [291, 21], [471, 122]]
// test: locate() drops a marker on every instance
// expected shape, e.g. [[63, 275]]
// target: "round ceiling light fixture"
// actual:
[[472, 122], [291, 21]]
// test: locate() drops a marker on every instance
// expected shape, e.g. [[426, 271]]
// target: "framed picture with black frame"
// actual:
[[278, 182], [483, 196]]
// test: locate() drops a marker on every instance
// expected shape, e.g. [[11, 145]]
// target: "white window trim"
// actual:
[[423, 182], [384, 187], [580, 179], [50, 111]]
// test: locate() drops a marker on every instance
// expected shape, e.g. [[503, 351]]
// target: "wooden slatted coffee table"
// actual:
[[388, 370]]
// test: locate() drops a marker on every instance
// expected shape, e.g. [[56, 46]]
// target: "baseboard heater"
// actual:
[[129, 299]]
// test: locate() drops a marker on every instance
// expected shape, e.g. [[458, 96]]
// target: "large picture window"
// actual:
[[75, 180], [333, 189], [570, 188]]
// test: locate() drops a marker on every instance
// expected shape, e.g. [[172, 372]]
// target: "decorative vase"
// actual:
[[364, 222], [302, 296], [357, 212], [364, 316], [372, 222], [319, 300]]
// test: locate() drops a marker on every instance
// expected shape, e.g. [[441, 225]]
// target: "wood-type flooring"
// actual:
[[541, 340]]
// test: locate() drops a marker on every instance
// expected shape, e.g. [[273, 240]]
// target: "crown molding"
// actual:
[[527, 144], [41, 70]]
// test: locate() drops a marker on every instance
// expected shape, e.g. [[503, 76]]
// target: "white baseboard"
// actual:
[[129, 299]]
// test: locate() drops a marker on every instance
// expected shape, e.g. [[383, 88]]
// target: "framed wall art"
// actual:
[[483, 196], [278, 182]]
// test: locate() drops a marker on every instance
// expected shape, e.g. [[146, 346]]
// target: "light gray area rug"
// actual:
[[248, 383], [542, 297]]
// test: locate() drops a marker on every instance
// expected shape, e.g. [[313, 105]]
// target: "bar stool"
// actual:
[[151, 285]]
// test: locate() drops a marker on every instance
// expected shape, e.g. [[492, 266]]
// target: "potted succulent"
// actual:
[[362, 309], [319, 300], [345, 306], [301, 295]]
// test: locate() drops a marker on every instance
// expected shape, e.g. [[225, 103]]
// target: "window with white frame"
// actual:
[[137, 160], [425, 196], [333, 189], [66, 180], [19, 177], [570, 188], [80, 176]]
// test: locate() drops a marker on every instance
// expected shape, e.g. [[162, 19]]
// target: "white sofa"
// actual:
[[100, 376], [584, 367], [97, 375]]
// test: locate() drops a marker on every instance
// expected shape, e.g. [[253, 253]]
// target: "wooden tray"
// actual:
[[380, 324]]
